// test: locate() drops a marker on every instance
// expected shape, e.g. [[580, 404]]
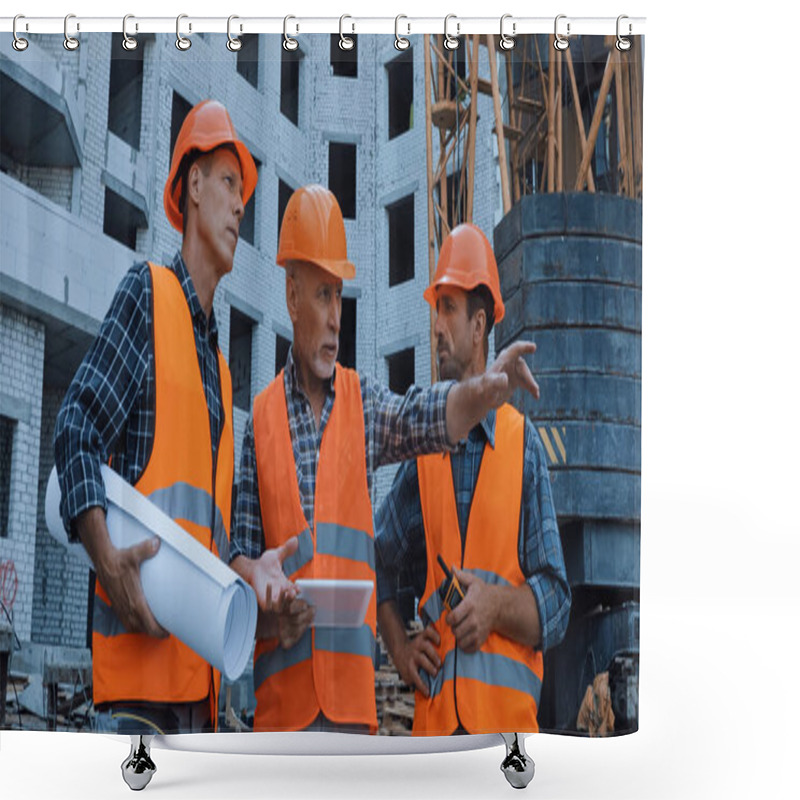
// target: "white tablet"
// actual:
[[338, 603]]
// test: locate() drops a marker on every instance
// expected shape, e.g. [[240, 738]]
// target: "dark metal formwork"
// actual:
[[571, 277]]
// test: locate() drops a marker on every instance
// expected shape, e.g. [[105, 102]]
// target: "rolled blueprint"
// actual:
[[191, 593]]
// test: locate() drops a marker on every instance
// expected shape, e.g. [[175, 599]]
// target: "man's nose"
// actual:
[[336, 315]]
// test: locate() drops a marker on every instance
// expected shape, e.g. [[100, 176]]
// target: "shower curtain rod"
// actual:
[[404, 25]]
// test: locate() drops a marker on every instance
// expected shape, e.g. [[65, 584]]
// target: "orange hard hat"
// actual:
[[207, 126], [313, 230], [466, 261]]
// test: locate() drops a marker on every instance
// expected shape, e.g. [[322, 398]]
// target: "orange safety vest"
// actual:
[[496, 689], [180, 479], [329, 669]]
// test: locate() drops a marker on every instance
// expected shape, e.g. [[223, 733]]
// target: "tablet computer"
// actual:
[[338, 603]]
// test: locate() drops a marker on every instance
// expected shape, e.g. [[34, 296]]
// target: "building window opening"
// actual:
[[401, 240], [342, 176], [6, 449], [125, 91], [401, 370], [284, 193], [247, 58], [121, 219], [241, 352], [247, 227], [180, 109], [344, 62], [401, 93], [282, 346], [347, 333], [290, 84]]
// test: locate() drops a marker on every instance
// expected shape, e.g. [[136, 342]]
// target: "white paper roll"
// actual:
[[191, 593]]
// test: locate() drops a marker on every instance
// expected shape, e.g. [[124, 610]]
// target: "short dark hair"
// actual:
[[477, 298]]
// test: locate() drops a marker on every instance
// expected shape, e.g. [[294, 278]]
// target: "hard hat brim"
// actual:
[[467, 285], [340, 268]]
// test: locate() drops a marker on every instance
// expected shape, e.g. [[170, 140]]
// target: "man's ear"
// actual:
[[194, 180], [480, 327], [291, 296]]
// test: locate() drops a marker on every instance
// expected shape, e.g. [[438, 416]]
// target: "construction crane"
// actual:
[[540, 118]]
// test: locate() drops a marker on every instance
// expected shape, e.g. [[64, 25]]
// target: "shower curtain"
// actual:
[[536, 148]]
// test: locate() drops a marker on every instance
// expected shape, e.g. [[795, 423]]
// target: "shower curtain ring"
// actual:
[[128, 42], [181, 42], [561, 42], [233, 44], [19, 44], [70, 42], [451, 42], [289, 43], [345, 42], [400, 42], [623, 44], [507, 42]]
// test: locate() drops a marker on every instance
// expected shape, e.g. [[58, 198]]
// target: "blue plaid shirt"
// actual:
[[396, 427], [109, 408], [400, 542]]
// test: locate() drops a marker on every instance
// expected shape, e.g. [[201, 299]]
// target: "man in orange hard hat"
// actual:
[[317, 434], [153, 398], [486, 510]]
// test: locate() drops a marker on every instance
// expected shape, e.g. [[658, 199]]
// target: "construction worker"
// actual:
[[153, 398], [487, 510], [316, 435]]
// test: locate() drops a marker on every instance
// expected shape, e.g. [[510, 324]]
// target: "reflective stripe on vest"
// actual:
[[497, 688], [355, 641], [490, 668], [343, 542], [178, 478], [329, 670], [181, 501], [302, 556]]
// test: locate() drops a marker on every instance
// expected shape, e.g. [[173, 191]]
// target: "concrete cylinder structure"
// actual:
[[571, 277]]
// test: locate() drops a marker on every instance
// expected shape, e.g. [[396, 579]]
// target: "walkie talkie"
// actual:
[[451, 593]]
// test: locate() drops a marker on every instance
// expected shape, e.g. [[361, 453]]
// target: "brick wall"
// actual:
[[21, 364], [61, 582]]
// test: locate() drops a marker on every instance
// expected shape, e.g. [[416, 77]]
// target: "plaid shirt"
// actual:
[[400, 542], [109, 408], [396, 427]]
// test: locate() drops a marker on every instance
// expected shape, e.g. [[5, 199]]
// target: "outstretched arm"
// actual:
[[469, 401]]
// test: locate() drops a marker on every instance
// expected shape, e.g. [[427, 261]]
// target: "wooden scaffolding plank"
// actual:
[[498, 119], [473, 124], [514, 118], [597, 117], [484, 86], [551, 122], [527, 105], [559, 125], [576, 104], [622, 133], [636, 99]]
